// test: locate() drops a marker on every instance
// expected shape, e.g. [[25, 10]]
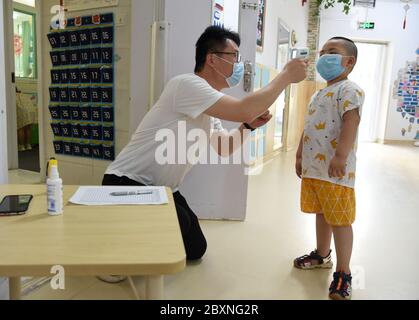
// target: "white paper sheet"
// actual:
[[101, 196]]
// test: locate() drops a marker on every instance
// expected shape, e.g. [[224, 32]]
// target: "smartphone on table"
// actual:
[[15, 205]]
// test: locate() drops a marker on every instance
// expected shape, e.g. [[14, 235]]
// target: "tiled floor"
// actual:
[[253, 259]]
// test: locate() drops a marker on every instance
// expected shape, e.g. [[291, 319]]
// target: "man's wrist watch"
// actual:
[[247, 126]]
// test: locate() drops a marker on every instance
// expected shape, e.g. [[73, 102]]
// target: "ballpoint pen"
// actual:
[[131, 193]]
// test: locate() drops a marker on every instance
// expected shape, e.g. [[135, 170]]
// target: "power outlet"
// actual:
[[121, 19]]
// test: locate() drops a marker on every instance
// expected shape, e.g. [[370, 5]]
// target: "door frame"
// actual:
[[13, 159], [380, 126], [286, 114], [3, 99]]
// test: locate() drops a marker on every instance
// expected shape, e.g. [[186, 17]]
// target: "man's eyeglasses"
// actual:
[[237, 54]]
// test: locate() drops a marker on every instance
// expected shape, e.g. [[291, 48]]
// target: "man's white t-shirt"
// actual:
[[181, 105]]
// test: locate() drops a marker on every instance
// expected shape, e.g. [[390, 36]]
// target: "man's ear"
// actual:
[[210, 59]]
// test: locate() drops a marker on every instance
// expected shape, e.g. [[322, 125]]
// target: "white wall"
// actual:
[[142, 19], [3, 127], [388, 17], [294, 16], [188, 21]]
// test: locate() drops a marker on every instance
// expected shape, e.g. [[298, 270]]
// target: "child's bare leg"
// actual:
[[343, 242], [324, 236]]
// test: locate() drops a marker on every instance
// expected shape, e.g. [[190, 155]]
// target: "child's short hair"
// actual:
[[349, 45]]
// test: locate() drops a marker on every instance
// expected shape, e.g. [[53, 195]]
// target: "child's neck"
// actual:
[[338, 79]]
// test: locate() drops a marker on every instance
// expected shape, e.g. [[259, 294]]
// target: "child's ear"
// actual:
[[350, 63]]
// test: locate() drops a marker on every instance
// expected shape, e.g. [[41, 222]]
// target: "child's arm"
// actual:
[[351, 120], [298, 163]]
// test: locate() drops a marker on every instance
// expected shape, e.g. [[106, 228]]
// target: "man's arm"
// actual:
[[351, 120], [252, 106], [226, 144]]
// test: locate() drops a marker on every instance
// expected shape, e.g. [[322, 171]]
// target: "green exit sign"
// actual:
[[367, 25]]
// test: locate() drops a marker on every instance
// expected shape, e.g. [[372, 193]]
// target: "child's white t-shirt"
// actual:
[[323, 124]]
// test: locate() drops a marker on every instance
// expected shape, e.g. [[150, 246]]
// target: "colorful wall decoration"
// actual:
[[82, 87], [406, 91], [217, 13]]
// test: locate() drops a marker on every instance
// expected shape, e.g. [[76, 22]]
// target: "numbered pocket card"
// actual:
[[82, 87]]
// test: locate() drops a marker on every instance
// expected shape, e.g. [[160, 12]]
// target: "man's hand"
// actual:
[[296, 70], [299, 167], [337, 167], [261, 121]]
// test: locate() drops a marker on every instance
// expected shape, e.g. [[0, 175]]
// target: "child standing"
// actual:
[[326, 162]]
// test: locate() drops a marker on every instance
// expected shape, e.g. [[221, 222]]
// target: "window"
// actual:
[[24, 44], [365, 3]]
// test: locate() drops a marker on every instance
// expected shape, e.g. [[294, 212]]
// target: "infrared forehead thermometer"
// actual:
[[299, 53]]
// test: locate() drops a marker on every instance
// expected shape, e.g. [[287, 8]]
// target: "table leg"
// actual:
[[154, 288], [134, 287], [15, 288]]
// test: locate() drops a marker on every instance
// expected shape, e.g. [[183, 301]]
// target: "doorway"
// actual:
[[369, 73], [283, 49], [26, 84]]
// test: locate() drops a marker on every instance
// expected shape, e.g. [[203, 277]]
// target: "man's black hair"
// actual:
[[213, 39], [350, 46]]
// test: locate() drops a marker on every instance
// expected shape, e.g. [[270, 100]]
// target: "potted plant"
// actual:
[[331, 3]]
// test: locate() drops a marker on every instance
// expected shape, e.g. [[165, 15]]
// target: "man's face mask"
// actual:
[[330, 66], [237, 75]]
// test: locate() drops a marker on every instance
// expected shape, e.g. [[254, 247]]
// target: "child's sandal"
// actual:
[[308, 262]]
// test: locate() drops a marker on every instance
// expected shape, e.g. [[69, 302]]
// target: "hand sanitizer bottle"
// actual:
[[54, 189]]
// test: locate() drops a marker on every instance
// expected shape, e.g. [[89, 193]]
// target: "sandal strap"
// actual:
[[312, 256]]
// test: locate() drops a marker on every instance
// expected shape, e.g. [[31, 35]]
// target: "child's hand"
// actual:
[[299, 167], [337, 167]]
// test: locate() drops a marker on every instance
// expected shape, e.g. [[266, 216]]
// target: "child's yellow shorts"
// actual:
[[337, 203]]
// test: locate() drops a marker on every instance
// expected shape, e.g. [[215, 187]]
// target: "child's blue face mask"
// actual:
[[237, 76], [330, 66]]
